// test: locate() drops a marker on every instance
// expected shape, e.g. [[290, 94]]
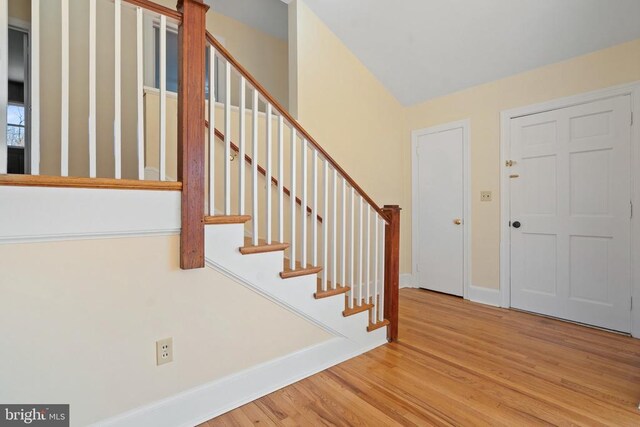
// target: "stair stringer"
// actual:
[[261, 272]]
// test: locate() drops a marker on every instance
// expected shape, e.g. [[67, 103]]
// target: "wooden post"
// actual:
[[392, 270], [191, 129]]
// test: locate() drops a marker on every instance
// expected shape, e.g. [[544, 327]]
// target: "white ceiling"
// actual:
[[269, 16], [421, 49]]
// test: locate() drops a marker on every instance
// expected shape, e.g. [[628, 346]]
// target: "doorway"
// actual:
[[18, 111], [441, 208]]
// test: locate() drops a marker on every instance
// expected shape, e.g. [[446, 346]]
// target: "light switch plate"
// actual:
[[485, 196]]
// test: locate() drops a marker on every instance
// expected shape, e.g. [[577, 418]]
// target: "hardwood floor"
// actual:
[[461, 363]]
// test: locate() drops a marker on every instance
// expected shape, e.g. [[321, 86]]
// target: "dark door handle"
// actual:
[[515, 224]]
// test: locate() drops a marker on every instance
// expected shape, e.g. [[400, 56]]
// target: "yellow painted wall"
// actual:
[[81, 327], [347, 110], [482, 105]]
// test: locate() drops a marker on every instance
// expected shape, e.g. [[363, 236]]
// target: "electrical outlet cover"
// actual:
[[164, 351], [485, 196]]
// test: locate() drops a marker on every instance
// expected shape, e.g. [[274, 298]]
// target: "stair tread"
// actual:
[[381, 324], [330, 292], [299, 270], [357, 308], [226, 219], [261, 247]]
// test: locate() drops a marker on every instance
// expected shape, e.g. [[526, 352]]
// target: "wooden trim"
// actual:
[[392, 270], [226, 219], [262, 247], [157, 8], [81, 182], [373, 326], [288, 273], [262, 170], [191, 130], [330, 292], [281, 110], [356, 308]]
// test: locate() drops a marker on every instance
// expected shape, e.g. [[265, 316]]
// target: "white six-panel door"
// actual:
[[570, 196], [440, 204]]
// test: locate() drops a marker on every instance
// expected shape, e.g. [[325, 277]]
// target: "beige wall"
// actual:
[[483, 104], [348, 111], [81, 328]]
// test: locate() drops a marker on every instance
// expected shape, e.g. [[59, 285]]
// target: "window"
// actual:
[[15, 125]]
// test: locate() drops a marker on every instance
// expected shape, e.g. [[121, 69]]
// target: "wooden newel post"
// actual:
[[191, 129], [392, 270]]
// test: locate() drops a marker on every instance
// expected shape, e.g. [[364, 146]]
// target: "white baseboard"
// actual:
[[406, 281], [200, 404], [484, 295]]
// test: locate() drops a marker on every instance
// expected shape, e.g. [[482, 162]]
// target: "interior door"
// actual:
[[570, 213], [440, 204]]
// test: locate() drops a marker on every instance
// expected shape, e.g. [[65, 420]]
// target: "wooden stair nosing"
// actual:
[[261, 247], [381, 324], [330, 292], [357, 309], [226, 219]]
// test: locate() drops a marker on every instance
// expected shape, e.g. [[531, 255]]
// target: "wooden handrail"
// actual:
[[157, 8], [83, 182], [225, 53], [262, 170]]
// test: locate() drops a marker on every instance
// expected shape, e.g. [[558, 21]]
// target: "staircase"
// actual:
[[261, 200]]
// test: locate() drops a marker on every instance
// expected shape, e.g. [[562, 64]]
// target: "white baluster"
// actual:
[[304, 219], [212, 130], [292, 246], [368, 264], [375, 269], [254, 165], [35, 88], [325, 224], [382, 249], [343, 251], [64, 89], [4, 76], [140, 91], [163, 98], [269, 173], [314, 213], [360, 233], [117, 82], [92, 88], [241, 146], [352, 266], [334, 233], [227, 139], [280, 178]]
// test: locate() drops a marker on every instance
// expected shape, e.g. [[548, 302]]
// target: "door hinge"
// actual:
[[417, 267], [417, 151], [631, 209], [631, 124], [631, 307]]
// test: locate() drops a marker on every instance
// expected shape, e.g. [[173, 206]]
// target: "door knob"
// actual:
[[457, 221], [515, 224]]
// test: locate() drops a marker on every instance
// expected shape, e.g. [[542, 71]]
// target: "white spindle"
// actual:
[[64, 88], [163, 98], [368, 263], [140, 90], [117, 116], [92, 88], [227, 139], [280, 179], [35, 88], [314, 214], [269, 173], [292, 196], [4, 76], [360, 233], [376, 291], [212, 130], [304, 219], [241, 145], [382, 248], [352, 266], [254, 152], [334, 232], [325, 225], [343, 251]]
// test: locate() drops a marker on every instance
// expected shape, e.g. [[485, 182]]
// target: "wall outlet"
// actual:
[[164, 351], [485, 196]]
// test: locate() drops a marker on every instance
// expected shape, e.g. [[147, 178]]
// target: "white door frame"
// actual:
[[466, 220], [632, 89]]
